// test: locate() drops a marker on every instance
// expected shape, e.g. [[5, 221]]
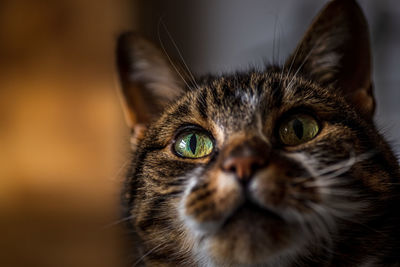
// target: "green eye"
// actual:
[[193, 145], [298, 129]]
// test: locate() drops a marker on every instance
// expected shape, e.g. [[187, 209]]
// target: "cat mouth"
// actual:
[[251, 235], [249, 211]]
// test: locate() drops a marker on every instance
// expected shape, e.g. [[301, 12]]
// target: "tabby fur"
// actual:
[[332, 201]]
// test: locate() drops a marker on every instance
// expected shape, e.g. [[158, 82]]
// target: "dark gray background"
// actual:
[[217, 36]]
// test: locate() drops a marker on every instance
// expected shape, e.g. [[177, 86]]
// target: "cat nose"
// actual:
[[243, 167], [246, 159]]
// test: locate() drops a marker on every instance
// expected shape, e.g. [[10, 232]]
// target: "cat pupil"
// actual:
[[298, 128], [193, 143]]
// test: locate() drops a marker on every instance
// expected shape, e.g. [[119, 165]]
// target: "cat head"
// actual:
[[256, 167]]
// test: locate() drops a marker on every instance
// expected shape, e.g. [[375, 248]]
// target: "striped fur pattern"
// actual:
[[331, 201]]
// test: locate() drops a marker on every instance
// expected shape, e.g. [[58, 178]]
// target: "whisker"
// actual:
[[323, 221], [301, 180], [334, 170], [326, 183], [293, 60], [169, 58], [339, 167], [342, 167], [363, 225], [118, 222], [274, 40], [335, 192], [180, 54], [146, 254], [288, 87], [119, 170]]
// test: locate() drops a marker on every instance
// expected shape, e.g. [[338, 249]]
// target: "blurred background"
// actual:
[[62, 135]]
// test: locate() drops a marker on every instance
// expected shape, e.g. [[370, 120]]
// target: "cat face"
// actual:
[[266, 167]]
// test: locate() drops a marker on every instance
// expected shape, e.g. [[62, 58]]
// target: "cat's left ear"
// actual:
[[335, 51], [147, 79]]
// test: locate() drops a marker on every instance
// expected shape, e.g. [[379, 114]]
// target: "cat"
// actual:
[[275, 167]]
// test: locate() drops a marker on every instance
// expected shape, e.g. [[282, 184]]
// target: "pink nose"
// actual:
[[243, 166]]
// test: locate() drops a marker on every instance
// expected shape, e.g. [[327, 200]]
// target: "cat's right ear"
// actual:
[[147, 79]]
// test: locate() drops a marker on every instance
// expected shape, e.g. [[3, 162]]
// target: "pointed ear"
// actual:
[[147, 79], [335, 51]]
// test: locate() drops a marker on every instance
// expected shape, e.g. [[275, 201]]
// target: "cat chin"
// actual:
[[253, 237]]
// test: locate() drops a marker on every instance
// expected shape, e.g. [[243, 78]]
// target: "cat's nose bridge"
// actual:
[[245, 157]]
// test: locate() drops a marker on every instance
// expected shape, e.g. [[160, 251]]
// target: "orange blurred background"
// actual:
[[62, 136]]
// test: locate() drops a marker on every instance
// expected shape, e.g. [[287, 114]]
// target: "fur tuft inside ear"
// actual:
[[148, 82]]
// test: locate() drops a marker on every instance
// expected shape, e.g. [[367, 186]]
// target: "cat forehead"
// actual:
[[240, 101], [255, 88]]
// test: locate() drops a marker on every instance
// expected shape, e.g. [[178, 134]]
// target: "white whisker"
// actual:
[[288, 87], [118, 222], [120, 169], [146, 254], [180, 55], [167, 55]]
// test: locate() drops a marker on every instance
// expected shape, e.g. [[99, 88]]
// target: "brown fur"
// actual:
[[330, 201]]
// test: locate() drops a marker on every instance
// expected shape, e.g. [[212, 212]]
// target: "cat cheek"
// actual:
[[210, 201]]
